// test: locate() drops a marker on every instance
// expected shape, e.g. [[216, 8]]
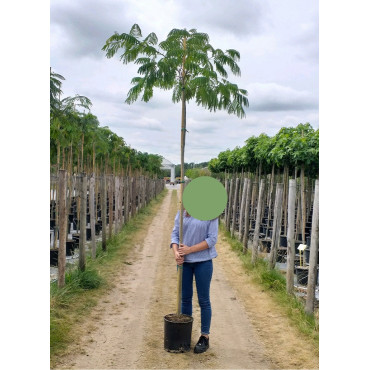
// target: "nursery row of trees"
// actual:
[[79, 144], [292, 149]]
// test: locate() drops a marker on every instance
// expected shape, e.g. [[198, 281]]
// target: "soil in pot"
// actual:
[[177, 332]]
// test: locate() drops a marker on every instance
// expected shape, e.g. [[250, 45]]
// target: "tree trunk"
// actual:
[[116, 198], [247, 212], [103, 199], [183, 131], [278, 209], [230, 205], [314, 248], [235, 206], [290, 237], [92, 214], [258, 221], [82, 152], [110, 191], [58, 156], [82, 240], [62, 187], [242, 208], [227, 193], [303, 205]]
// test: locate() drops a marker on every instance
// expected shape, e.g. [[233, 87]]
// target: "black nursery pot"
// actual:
[[302, 275], [177, 333], [54, 257], [70, 247]]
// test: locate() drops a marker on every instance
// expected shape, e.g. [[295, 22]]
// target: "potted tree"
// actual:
[[189, 65]]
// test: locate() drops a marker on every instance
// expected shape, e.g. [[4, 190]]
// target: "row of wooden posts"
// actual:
[[249, 202], [117, 198]]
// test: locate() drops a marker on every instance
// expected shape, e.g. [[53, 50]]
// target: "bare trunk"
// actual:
[[82, 240], [103, 197], [275, 242], [82, 152], [116, 194], [235, 206], [230, 205], [247, 215], [303, 205], [312, 270], [290, 237], [92, 214], [183, 131], [242, 208], [110, 191], [62, 186], [258, 222]]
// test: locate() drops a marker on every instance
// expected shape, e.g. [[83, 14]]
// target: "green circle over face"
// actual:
[[204, 198]]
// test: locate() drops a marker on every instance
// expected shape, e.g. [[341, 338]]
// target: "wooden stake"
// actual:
[[234, 206], [92, 214], [247, 215], [110, 191], [314, 248], [116, 199], [242, 208], [82, 240], [62, 189], [230, 205], [290, 237], [103, 200], [278, 210], [258, 222]]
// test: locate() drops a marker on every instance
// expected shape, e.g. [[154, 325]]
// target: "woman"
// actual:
[[196, 254]]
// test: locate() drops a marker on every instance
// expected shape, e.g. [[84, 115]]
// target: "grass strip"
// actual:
[[274, 282], [71, 305]]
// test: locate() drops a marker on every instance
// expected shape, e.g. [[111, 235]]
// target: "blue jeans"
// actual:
[[203, 275]]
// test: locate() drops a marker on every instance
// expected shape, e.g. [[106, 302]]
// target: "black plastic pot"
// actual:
[[283, 241], [97, 229], [88, 233], [281, 255], [70, 247], [302, 275], [53, 257], [52, 224], [177, 335], [266, 245], [76, 238]]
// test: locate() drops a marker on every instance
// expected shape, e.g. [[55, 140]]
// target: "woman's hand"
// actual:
[[179, 259], [184, 250]]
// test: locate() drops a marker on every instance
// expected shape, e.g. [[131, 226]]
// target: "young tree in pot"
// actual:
[[186, 63], [302, 157]]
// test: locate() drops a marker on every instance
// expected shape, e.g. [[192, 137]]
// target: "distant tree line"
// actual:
[[190, 166], [78, 142], [292, 149]]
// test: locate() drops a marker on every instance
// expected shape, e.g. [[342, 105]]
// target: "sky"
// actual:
[[277, 40]]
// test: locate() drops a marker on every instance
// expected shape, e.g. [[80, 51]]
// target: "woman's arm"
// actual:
[[184, 249], [209, 241]]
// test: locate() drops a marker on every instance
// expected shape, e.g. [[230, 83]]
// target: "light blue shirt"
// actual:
[[194, 232]]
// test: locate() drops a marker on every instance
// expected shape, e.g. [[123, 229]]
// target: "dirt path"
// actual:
[[126, 330]]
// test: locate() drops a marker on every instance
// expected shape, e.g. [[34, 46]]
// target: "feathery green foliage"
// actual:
[[291, 147], [184, 61]]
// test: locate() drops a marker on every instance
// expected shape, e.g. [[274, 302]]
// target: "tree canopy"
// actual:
[[184, 62], [79, 135], [291, 147]]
